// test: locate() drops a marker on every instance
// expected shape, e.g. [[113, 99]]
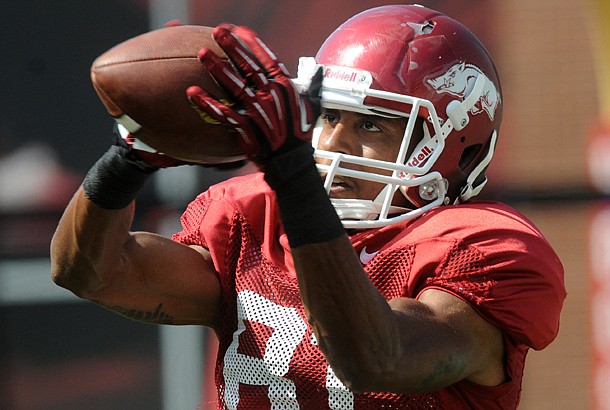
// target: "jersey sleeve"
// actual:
[[511, 276], [216, 219], [209, 210]]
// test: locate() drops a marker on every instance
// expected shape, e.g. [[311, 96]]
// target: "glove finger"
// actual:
[[206, 105], [241, 56], [227, 78], [254, 114], [261, 51]]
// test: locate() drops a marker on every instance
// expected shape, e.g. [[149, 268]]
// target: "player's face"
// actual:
[[367, 136]]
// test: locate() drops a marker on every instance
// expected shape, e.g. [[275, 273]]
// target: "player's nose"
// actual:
[[340, 138]]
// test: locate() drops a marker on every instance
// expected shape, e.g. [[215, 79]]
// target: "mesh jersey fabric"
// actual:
[[483, 252]]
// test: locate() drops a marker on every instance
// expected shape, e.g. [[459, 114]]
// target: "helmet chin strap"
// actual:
[[362, 214], [366, 209], [361, 209]]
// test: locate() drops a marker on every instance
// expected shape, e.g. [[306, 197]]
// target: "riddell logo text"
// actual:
[[421, 157], [340, 75]]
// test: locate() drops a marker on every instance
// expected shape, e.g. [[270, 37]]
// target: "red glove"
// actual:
[[270, 115], [141, 153]]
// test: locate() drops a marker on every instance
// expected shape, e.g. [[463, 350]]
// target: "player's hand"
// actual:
[[141, 154], [270, 114]]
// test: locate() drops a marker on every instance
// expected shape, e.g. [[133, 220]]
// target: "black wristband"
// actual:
[[114, 180], [283, 166], [307, 213]]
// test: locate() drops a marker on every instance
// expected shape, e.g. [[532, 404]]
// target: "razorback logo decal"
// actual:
[[459, 80]]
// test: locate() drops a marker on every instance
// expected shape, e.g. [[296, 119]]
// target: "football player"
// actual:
[[355, 270]]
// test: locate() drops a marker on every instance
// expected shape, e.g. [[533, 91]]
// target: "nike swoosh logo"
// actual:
[[365, 257]]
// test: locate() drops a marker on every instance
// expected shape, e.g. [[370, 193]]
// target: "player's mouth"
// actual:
[[341, 187]]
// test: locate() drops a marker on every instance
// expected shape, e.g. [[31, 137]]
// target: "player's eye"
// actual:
[[370, 126], [329, 117]]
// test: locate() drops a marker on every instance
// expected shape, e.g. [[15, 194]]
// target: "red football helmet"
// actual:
[[410, 61]]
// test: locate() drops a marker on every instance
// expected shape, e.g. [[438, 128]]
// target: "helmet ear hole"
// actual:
[[468, 155]]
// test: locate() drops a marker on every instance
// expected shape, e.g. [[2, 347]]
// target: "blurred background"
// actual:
[[552, 163]]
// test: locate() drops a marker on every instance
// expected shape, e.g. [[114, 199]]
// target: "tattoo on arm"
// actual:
[[158, 316]]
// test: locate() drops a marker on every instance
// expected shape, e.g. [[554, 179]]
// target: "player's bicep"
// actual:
[[163, 281], [478, 342]]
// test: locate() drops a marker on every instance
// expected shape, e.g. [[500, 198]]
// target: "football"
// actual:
[[142, 84]]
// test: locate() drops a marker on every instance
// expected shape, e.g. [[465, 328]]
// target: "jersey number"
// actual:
[[288, 332]]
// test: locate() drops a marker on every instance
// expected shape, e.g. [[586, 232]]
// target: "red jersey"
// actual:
[[485, 253]]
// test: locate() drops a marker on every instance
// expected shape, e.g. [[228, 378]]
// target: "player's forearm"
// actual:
[[86, 247], [352, 321]]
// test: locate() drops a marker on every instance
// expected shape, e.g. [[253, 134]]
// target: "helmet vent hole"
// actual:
[[468, 155]]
